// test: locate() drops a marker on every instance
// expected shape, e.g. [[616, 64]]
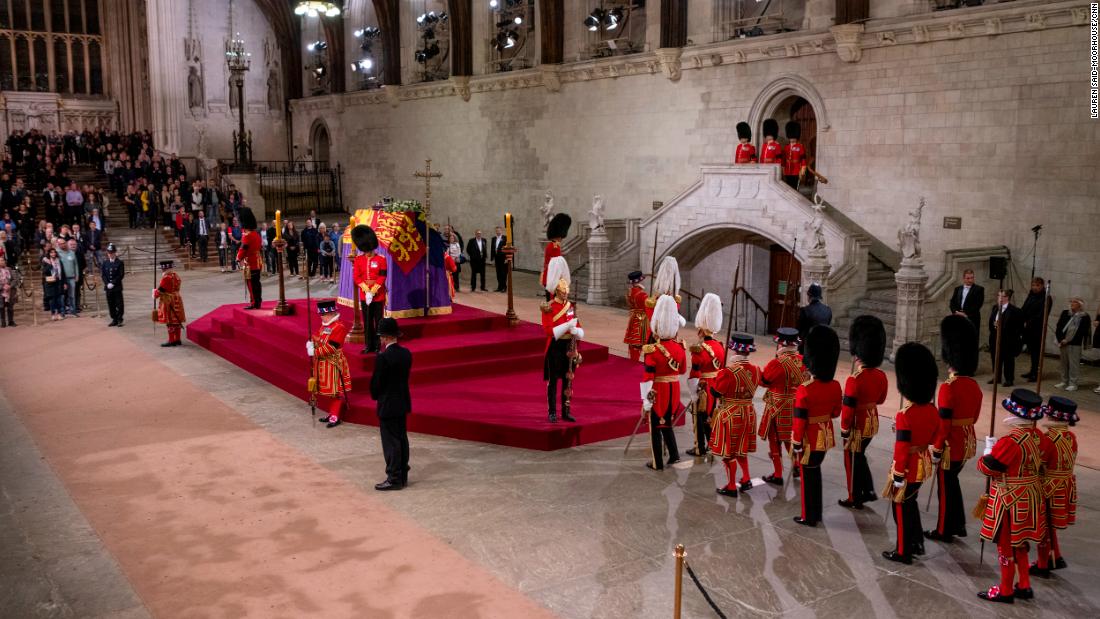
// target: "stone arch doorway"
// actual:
[[788, 98], [319, 143], [767, 276]]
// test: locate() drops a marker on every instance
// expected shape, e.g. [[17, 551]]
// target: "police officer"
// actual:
[[113, 271]]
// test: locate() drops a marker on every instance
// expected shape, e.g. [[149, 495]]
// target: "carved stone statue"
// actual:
[[595, 216], [201, 146], [195, 97], [815, 236], [273, 102], [547, 209], [909, 236]]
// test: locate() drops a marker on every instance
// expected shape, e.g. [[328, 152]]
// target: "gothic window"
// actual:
[[30, 29]]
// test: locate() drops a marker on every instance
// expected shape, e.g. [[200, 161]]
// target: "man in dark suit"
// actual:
[[477, 249], [1032, 312], [967, 300], [389, 387], [1011, 332], [201, 233], [497, 255], [813, 314]]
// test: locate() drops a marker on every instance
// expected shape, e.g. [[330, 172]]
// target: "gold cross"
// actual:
[[427, 175]]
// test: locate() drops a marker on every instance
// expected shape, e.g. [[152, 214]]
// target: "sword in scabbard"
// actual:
[[641, 418]]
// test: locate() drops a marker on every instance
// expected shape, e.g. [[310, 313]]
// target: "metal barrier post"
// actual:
[[678, 590]]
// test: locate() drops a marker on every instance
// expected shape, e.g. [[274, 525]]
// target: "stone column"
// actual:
[[166, 87], [911, 280], [815, 270], [598, 244]]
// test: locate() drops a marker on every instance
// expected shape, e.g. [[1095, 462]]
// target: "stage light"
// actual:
[[493, 4], [317, 46], [358, 33], [612, 19], [313, 8], [592, 22], [518, 20], [363, 66]]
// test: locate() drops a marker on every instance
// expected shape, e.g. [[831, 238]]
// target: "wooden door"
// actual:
[[783, 276]]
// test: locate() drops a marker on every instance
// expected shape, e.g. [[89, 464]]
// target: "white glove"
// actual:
[[154, 293], [645, 388], [647, 405], [990, 441], [369, 299], [693, 385], [898, 484], [683, 321], [110, 286], [578, 333], [309, 348], [563, 328]]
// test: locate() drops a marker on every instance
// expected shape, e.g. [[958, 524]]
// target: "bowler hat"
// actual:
[[387, 327]]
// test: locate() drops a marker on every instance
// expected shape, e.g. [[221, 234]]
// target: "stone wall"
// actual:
[[982, 111]]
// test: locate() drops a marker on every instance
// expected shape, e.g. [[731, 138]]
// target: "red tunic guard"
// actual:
[[332, 372], [781, 377], [553, 249], [816, 404], [1059, 483], [960, 403], [745, 153], [863, 392], [915, 427], [707, 358], [794, 159], [664, 361], [771, 152], [250, 254], [369, 273], [637, 325], [170, 306], [557, 316], [733, 426]]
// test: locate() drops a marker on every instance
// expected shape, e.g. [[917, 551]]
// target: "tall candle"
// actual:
[[278, 225], [508, 227]]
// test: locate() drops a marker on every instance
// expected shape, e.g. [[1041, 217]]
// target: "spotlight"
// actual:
[[319, 70], [505, 39], [493, 4], [592, 22], [358, 33], [518, 20], [363, 66], [612, 19], [317, 46], [430, 18], [372, 32]]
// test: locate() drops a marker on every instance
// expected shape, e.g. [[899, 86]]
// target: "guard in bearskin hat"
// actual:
[[816, 403], [1059, 483], [169, 304], [563, 330], [960, 403], [864, 391], [665, 360], [250, 257], [1014, 512], [781, 377], [733, 426], [370, 278], [794, 155], [915, 426], [331, 374], [708, 356], [556, 231], [637, 323], [771, 151], [745, 151]]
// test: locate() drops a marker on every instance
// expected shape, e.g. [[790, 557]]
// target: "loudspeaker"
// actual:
[[998, 267]]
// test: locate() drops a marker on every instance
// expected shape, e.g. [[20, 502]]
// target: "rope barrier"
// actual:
[[706, 596]]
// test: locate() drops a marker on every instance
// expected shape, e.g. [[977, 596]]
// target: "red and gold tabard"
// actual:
[[816, 405], [250, 251], [169, 302], [794, 158], [745, 153], [1016, 488], [733, 427], [915, 427], [333, 373], [960, 402], [664, 362], [553, 250], [771, 152], [370, 277], [863, 392], [782, 377], [557, 312], [1059, 482], [707, 358], [636, 325]]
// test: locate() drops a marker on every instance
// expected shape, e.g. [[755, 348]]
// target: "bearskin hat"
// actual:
[[867, 340], [364, 238], [794, 130], [558, 228], [771, 128], [917, 372], [959, 344], [744, 132], [709, 315], [822, 348], [247, 218]]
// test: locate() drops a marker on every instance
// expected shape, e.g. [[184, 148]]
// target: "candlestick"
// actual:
[[508, 227], [278, 225]]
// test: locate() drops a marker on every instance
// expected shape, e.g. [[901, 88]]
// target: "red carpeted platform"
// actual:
[[473, 377]]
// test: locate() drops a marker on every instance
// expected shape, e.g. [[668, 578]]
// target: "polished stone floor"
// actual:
[[585, 532]]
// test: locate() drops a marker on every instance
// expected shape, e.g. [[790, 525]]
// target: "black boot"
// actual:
[[552, 402]]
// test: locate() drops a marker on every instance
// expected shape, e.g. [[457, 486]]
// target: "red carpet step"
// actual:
[[473, 377]]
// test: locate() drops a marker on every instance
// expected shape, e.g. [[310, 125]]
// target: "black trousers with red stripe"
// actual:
[[952, 518], [907, 519], [860, 484], [811, 487]]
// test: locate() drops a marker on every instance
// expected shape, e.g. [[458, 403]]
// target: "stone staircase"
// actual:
[[880, 300]]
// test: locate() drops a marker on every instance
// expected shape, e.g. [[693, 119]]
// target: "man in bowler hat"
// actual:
[[389, 387]]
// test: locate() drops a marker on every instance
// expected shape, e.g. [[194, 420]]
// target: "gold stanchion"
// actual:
[[509, 256], [679, 587], [281, 308]]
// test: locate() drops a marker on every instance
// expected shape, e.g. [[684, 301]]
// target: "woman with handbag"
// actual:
[[53, 285], [293, 247]]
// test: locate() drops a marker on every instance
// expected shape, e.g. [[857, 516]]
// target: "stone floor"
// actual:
[[586, 532]]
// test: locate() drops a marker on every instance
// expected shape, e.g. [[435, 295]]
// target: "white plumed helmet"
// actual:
[[666, 318], [557, 270], [709, 316], [668, 278]]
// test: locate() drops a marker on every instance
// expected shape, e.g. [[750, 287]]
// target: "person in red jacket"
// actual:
[[794, 155], [733, 426], [563, 330], [637, 325], [1015, 513], [170, 304], [745, 151], [369, 272], [331, 374], [915, 426], [960, 403], [707, 357], [817, 402], [1059, 483], [556, 231], [665, 360], [781, 377], [864, 391], [250, 257], [771, 151]]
